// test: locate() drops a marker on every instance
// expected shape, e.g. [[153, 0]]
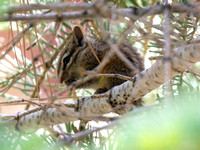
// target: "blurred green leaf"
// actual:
[[13, 141], [171, 126], [67, 25], [134, 2]]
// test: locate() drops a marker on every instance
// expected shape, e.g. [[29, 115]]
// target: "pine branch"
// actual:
[[52, 6], [99, 9]]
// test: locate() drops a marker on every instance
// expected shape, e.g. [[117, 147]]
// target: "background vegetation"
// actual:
[[172, 123]]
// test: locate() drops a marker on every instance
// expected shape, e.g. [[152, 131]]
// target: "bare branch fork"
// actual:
[[88, 11]]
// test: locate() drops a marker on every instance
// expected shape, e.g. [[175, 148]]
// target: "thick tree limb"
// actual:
[[126, 93]]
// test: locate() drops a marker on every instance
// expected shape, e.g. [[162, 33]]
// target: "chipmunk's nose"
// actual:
[[63, 77], [61, 80]]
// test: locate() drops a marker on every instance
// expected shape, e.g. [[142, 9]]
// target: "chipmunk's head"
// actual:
[[69, 63]]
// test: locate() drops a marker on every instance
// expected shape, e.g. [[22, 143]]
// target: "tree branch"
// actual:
[[126, 93], [51, 6], [95, 10]]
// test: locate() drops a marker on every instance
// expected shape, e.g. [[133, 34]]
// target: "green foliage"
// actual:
[[173, 125], [3, 6], [131, 3], [14, 141]]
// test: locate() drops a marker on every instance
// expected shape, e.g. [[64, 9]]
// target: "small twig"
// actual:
[[95, 55], [35, 42], [46, 69], [195, 71], [19, 76], [82, 134], [100, 95], [48, 17], [52, 6], [53, 132], [47, 98], [120, 76], [15, 40], [19, 102], [156, 58]]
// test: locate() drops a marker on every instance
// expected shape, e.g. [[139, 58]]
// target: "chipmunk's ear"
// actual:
[[78, 37]]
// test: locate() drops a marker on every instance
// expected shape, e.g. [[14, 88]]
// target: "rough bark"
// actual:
[[126, 93]]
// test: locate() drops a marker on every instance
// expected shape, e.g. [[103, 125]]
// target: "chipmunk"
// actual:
[[77, 58]]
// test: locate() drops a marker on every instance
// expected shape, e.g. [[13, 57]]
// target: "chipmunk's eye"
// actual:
[[66, 60]]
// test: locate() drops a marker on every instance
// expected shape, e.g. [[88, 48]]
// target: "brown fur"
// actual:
[[82, 60]]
